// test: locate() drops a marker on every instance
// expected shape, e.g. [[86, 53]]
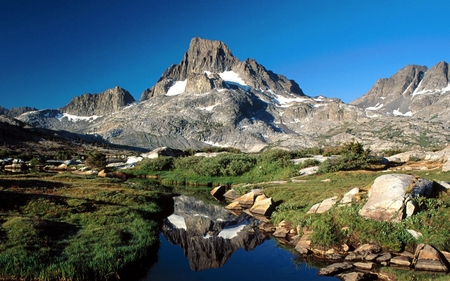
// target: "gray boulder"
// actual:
[[387, 197]]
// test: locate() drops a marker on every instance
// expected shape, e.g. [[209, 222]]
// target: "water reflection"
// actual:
[[208, 234]]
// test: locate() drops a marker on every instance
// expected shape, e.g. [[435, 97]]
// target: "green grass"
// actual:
[[75, 228]]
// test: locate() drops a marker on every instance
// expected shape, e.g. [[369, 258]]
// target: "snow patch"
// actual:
[[177, 88], [231, 231], [75, 118], [177, 221], [396, 112], [376, 107], [286, 102], [232, 78], [208, 108], [427, 92]]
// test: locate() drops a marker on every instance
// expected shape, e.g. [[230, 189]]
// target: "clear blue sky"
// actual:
[[54, 50]]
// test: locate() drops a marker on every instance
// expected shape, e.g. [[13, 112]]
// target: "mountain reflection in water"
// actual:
[[209, 236]]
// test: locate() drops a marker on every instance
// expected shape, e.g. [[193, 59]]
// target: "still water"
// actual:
[[265, 262], [205, 242]]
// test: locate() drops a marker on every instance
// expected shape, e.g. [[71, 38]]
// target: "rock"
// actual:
[[246, 200], [444, 184], [104, 103], [386, 197], [231, 194], [280, 232], [410, 205], [308, 171], [446, 166], [384, 257], [401, 261], [364, 265], [422, 187], [446, 255], [429, 259], [345, 248], [102, 174], [356, 276], [234, 206], [366, 249], [415, 234], [335, 268], [371, 257], [300, 247], [349, 196], [218, 192], [163, 151], [263, 206], [324, 206]]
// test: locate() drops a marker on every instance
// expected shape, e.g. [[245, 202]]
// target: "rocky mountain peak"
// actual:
[[100, 104], [435, 79], [209, 65]]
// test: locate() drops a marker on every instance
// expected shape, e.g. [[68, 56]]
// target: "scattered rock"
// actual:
[[401, 261], [231, 194], [324, 206], [335, 268], [349, 196], [415, 234], [384, 257], [262, 206], [218, 192], [356, 276], [429, 259], [308, 171], [163, 151], [364, 265], [246, 200], [234, 206]]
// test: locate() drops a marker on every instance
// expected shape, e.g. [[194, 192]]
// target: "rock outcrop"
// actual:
[[104, 103]]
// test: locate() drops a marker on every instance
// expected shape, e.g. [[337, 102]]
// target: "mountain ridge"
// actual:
[[213, 98]]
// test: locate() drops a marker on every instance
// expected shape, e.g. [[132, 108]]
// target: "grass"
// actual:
[[70, 227]]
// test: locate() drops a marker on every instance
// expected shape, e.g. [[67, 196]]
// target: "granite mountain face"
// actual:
[[213, 98], [413, 91]]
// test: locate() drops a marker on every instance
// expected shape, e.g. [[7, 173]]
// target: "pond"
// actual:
[[205, 242]]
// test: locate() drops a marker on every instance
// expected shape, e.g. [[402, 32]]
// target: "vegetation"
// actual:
[[73, 227], [70, 227], [96, 160]]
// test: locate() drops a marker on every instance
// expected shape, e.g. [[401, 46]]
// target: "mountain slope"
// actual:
[[413, 91], [213, 98]]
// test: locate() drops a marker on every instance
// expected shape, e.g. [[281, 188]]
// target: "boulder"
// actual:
[[415, 234], [422, 187], [324, 206], [234, 206], [163, 151], [401, 261], [349, 196], [364, 265], [428, 258], [335, 268], [262, 206], [246, 200], [231, 194], [304, 244], [386, 197], [218, 192], [356, 276]]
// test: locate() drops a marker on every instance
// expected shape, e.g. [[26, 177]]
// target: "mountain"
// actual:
[[104, 103], [413, 91], [16, 111], [211, 98]]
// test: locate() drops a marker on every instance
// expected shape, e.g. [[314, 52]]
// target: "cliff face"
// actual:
[[104, 103]]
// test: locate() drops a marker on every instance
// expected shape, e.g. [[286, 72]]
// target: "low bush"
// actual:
[[163, 163]]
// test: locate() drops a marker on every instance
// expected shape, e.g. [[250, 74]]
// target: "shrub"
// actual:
[[96, 160], [353, 156], [163, 163]]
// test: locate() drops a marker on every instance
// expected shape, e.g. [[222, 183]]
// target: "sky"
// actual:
[[54, 50]]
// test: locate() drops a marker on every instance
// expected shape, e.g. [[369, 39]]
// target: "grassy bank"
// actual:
[[74, 227]]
